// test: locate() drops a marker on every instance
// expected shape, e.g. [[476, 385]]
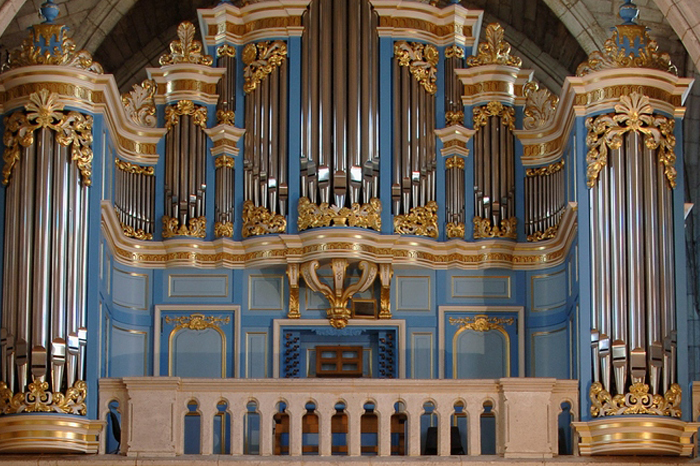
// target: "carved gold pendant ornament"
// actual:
[[38, 399], [358, 215], [637, 401], [421, 221], [484, 229], [260, 221]]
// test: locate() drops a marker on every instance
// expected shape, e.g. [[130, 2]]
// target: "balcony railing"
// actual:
[[159, 416]]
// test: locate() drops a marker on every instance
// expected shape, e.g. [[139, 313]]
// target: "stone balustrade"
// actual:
[[153, 410]]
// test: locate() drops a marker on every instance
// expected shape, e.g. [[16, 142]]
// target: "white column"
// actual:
[[207, 408], [385, 409], [474, 428], [355, 411], [325, 412], [444, 437], [237, 406], [266, 410], [296, 411], [414, 408]]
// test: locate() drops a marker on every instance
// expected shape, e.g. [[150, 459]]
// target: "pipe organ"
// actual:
[[438, 179]]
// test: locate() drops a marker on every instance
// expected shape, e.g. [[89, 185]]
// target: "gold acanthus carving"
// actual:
[[139, 103], [549, 233], [38, 399], [223, 229], [259, 221], [133, 168], [633, 113], [63, 54], [293, 277], [454, 118], [484, 229], [44, 111], [385, 274], [421, 60], [613, 55], [261, 59], [338, 296], [540, 106], [454, 51], [637, 401], [224, 161], [495, 50], [197, 227], [482, 323], [185, 107], [130, 232], [454, 162], [358, 215], [225, 117], [226, 50], [421, 221], [497, 109], [455, 230], [186, 49], [197, 321], [545, 171]]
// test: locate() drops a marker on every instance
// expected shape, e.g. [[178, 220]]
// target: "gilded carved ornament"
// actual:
[[615, 55], [421, 60], [455, 230], [63, 53], [223, 229], [421, 221], [226, 50], [484, 229], [186, 49], [547, 170], [454, 118], [385, 274], [549, 233], [633, 113], [637, 401], [197, 321], [293, 277], [261, 59], [185, 107], [131, 232], [260, 221], [225, 117], [454, 51], [38, 399], [133, 168], [224, 161], [482, 323], [540, 106], [44, 111], [481, 115], [495, 50], [197, 227], [358, 215], [454, 162], [140, 105]]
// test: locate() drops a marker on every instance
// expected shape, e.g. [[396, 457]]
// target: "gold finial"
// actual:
[[495, 50], [186, 49]]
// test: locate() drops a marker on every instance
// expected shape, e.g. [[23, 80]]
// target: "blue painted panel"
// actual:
[[266, 292], [256, 355], [127, 353], [130, 289], [422, 356], [413, 294], [481, 355], [198, 353], [550, 354], [481, 287], [548, 291], [196, 286]]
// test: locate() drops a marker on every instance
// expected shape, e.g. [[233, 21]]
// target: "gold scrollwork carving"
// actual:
[[495, 50], [185, 107], [633, 113], [259, 221], [358, 215], [454, 118], [140, 105], [455, 230], [38, 399], [494, 108], [130, 232], [454, 162], [454, 51], [549, 233], [225, 117], [197, 321], [261, 59], [223, 229], [197, 227], [421, 221], [44, 111], [637, 401], [482, 323], [224, 161], [226, 50], [484, 229], [614, 55], [545, 171], [421, 60], [62, 54], [186, 49], [133, 168], [293, 277], [540, 106]]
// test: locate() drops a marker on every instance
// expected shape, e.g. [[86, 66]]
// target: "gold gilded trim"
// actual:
[[497, 109], [225, 117], [545, 171], [454, 118], [632, 113], [484, 229], [185, 107], [197, 227], [224, 161], [130, 232], [421, 221], [455, 230], [615, 92], [421, 60], [186, 49], [259, 221], [226, 50], [40, 400], [425, 26], [261, 59], [140, 105], [549, 233], [540, 106], [360, 216], [454, 162], [257, 25], [482, 323], [223, 229], [637, 401], [133, 168], [197, 321], [454, 51], [495, 50]]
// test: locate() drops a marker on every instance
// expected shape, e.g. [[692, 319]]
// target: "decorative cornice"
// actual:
[[139, 103], [484, 229], [421, 60], [261, 59], [360, 216], [40, 400], [185, 107], [257, 220], [540, 106], [421, 221], [637, 401], [495, 51], [186, 49], [482, 323]]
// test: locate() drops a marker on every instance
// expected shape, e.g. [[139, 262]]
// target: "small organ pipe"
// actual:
[[282, 142]]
